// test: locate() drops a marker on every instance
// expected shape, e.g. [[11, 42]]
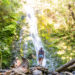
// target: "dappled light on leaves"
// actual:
[[55, 20]]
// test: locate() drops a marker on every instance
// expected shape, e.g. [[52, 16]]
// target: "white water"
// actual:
[[32, 21]]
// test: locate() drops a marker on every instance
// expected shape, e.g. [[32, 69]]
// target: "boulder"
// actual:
[[73, 72], [37, 72]]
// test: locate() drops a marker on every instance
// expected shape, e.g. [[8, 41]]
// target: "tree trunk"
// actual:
[[65, 66], [71, 67]]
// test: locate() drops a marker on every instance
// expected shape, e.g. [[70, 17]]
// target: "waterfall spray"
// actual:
[[32, 21]]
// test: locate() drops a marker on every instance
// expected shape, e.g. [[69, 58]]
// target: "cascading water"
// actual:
[[32, 21]]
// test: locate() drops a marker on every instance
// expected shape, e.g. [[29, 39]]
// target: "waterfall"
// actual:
[[32, 21]]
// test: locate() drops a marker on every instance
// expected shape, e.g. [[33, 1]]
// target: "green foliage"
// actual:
[[56, 27], [57, 30], [31, 54], [8, 31]]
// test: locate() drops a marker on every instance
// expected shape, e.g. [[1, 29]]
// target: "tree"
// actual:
[[8, 25]]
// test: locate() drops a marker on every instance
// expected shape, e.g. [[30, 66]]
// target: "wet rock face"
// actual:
[[25, 63], [20, 70], [17, 63]]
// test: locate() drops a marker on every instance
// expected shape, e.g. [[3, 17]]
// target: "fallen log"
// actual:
[[39, 69], [72, 67], [65, 66]]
